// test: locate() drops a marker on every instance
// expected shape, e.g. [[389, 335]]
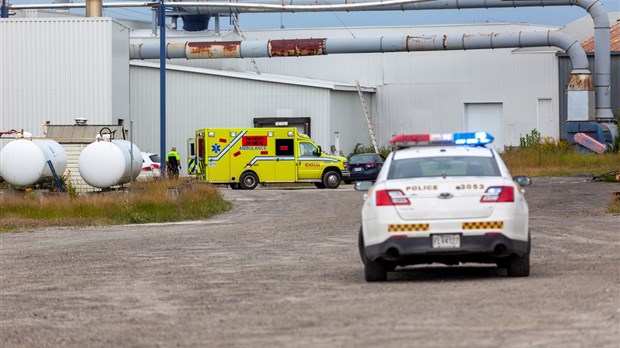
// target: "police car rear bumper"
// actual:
[[345, 174], [487, 248]]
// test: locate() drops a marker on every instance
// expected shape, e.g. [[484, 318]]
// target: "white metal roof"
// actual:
[[291, 80]]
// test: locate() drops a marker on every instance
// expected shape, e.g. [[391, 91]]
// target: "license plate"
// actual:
[[446, 241], [358, 169]]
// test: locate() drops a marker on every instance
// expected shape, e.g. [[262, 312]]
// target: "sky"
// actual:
[[555, 15]]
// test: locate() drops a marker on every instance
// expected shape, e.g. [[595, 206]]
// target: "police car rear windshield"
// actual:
[[426, 167]]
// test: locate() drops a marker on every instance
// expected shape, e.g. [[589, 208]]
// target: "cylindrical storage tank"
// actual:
[[104, 164], [23, 162]]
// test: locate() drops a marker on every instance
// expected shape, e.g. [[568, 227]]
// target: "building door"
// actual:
[[486, 117], [544, 121]]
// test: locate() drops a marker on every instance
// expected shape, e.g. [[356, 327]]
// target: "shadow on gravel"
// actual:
[[447, 273]]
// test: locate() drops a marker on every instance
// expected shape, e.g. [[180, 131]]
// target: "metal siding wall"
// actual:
[[55, 69], [197, 101], [427, 92], [120, 72], [347, 118]]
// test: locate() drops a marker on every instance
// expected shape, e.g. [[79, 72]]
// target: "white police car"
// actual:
[[444, 198]]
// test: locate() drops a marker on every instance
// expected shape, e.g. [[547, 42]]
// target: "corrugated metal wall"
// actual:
[[565, 67], [60, 69], [197, 101], [427, 92], [347, 118]]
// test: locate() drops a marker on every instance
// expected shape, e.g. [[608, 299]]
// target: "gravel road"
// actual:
[[282, 270]]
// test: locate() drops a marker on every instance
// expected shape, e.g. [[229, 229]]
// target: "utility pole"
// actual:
[[161, 15]]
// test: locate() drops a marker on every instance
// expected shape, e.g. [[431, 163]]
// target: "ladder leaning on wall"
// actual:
[[371, 130]]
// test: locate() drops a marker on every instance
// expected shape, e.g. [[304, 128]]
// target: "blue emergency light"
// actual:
[[473, 138]]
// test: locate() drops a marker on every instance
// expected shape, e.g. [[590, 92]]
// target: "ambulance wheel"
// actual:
[[319, 184], [331, 179], [248, 181]]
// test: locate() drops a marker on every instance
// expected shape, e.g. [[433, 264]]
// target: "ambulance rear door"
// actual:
[[220, 144]]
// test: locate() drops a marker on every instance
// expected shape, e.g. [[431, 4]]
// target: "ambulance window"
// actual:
[[307, 149], [201, 147], [285, 147]]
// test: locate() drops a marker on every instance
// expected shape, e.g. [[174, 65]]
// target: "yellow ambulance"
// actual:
[[245, 157]]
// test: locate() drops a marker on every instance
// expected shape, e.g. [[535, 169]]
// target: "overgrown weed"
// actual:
[[144, 202]]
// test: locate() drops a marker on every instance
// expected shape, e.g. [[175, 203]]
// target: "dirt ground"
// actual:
[[282, 270]]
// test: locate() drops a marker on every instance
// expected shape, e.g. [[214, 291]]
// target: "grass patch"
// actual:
[[559, 161], [538, 157], [154, 201]]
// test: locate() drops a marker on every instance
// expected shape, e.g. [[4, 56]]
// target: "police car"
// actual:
[[444, 198]]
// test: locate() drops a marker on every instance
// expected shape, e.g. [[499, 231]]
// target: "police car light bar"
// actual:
[[471, 138]]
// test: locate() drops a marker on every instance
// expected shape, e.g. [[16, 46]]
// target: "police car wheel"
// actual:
[[519, 266], [331, 179], [248, 181], [374, 271]]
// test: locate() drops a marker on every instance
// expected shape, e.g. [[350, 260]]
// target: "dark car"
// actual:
[[364, 166]]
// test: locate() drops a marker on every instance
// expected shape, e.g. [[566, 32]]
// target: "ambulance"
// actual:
[[245, 157]]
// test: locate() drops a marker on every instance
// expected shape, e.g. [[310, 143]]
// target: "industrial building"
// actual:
[[60, 67]]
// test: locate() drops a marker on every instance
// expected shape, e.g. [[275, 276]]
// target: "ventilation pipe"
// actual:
[[94, 8]]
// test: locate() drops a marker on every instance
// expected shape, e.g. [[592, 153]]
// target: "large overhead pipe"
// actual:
[[323, 46], [580, 91]]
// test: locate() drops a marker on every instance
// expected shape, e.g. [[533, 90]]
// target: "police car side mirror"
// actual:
[[363, 185], [522, 180]]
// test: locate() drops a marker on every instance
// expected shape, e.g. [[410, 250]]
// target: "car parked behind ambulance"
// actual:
[[444, 198]]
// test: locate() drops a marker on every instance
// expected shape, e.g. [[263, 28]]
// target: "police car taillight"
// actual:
[[498, 194], [471, 138], [391, 197]]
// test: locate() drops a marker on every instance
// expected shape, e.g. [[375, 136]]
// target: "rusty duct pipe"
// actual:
[[323, 46]]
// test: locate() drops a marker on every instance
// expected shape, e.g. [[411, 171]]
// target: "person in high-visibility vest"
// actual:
[[173, 163]]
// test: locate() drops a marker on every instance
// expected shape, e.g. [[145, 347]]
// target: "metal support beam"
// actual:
[[161, 11]]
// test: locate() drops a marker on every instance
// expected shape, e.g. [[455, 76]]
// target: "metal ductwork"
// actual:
[[195, 22], [323, 46], [94, 8]]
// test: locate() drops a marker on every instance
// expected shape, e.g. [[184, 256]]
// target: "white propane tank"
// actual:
[[107, 163], [23, 162]]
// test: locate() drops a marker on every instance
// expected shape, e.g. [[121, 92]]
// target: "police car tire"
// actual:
[[331, 180], [248, 181], [374, 271], [519, 266]]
